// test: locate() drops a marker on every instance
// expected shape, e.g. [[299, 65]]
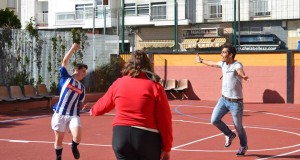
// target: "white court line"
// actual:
[[281, 154], [274, 114], [176, 148], [268, 113], [42, 116], [47, 142], [259, 150], [280, 115], [197, 141], [22, 119]]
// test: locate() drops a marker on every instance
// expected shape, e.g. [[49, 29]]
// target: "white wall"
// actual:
[[294, 9], [279, 9], [228, 10], [3, 4], [28, 10], [244, 10], [199, 12], [285, 9]]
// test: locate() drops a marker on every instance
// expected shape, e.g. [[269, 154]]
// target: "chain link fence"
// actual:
[[26, 59]]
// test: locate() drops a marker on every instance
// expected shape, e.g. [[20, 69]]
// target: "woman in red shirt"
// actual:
[[142, 127]]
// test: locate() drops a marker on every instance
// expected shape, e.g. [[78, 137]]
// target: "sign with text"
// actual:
[[202, 32], [258, 47]]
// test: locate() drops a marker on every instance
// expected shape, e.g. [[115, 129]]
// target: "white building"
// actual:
[[150, 23], [64, 14], [13, 5]]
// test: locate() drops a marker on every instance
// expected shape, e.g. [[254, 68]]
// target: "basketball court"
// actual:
[[273, 132]]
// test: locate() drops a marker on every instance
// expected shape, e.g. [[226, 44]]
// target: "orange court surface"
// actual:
[[273, 132]]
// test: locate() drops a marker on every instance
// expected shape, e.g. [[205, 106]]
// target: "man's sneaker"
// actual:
[[228, 139], [75, 152], [242, 151]]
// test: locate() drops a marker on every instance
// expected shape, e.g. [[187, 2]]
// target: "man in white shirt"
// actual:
[[232, 96]]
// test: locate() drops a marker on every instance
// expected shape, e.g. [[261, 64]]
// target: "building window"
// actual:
[[255, 30], [262, 8], [158, 10], [244, 30], [11, 4], [99, 2], [65, 16], [143, 9], [214, 10], [84, 11], [268, 26], [129, 9]]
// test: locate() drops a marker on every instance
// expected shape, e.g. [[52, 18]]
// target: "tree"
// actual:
[[9, 19]]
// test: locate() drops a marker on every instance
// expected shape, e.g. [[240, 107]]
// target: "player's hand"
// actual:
[[246, 78], [198, 58], [86, 106], [75, 46], [165, 155]]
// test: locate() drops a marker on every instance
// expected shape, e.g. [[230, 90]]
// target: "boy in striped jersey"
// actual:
[[67, 109]]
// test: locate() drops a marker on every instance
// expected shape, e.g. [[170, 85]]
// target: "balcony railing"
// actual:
[[79, 16], [67, 18], [87, 13], [262, 13], [42, 19], [156, 11]]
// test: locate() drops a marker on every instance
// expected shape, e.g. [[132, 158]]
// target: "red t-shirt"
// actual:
[[138, 102]]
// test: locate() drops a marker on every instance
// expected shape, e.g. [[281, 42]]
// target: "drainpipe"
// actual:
[[104, 19], [290, 78], [123, 26], [94, 17], [175, 26], [234, 24], [239, 23]]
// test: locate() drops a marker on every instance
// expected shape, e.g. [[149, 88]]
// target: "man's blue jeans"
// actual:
[[236, 109]]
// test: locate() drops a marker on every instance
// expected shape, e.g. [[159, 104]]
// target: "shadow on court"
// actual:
[[272, 96]]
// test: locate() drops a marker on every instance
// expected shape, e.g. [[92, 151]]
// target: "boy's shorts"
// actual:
[[60, 122]]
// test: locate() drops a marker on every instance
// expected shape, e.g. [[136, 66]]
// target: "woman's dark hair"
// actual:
[[137, 63], [231, 49]]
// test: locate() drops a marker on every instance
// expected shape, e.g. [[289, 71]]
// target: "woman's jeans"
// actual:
[[236, 109]]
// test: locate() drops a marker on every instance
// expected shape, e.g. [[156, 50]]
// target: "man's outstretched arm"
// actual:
[[206, 62], [68, 55], [242, 74]]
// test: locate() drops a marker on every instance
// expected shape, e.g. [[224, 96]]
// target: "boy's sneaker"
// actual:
[[75, 152], [242, 151], [58, 158], [228, 139]]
